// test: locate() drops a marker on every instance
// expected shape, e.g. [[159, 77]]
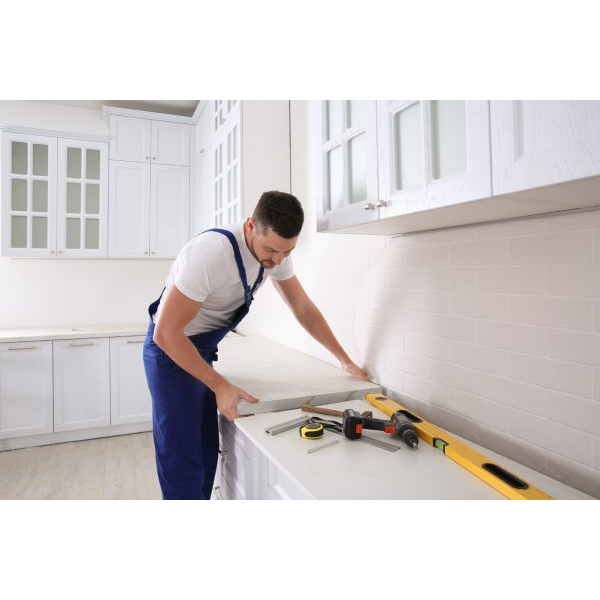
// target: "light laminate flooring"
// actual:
[[112, 468]]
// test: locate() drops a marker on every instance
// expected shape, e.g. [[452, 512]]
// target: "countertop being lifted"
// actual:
[[283, 378]]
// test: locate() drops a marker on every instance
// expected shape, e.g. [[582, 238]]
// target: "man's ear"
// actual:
[[251, 225]]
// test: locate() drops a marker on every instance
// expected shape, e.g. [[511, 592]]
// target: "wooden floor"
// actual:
[[114, 468]]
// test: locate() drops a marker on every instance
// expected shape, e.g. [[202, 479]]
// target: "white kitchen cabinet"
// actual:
[[538, 143], [82, 216], [54, 197], [432, 153], [81, 383], [28, 221], [152, 141], [149, 210], [348, 163], [242, 151], [452, 163], [235, 472], [130, 400], [399, 157], [169, 210], [25, 388]]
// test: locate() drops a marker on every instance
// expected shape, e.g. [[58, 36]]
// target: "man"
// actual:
[[208, 292]]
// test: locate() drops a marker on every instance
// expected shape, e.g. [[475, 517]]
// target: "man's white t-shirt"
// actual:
[[205, 271]]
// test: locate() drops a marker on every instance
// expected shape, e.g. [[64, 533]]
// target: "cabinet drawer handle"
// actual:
[[24, 348], [369, 206], [81, 345], [135, 341], [380, 203]]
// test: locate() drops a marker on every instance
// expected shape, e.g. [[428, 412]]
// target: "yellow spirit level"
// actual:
[[499, 478]]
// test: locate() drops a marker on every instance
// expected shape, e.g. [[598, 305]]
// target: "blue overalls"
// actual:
[[184, 410]]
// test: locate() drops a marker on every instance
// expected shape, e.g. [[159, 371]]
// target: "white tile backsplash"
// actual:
[[571, 247], [551, 311]]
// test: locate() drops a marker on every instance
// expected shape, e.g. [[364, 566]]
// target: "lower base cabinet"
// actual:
[[51, 389], [246, 473], [25, 389], [81, 383]]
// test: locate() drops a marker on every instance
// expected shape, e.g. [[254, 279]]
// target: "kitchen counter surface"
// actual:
[[283, 378], [355, 470], [67, 332]]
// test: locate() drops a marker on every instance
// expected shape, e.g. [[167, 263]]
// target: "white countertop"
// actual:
[[283, 378], [71, 332], [353, 470]]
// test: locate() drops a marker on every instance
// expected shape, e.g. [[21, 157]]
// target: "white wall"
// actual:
[[490, 331], [51, 292]]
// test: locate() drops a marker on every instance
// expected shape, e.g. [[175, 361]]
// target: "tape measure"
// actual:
[[312, 431]]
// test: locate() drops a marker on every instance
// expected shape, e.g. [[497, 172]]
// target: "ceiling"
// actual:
[[184, 108]]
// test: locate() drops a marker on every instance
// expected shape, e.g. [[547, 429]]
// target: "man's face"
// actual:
[[268, 247]]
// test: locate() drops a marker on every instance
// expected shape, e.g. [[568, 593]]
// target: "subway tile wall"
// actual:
[[491, 331]]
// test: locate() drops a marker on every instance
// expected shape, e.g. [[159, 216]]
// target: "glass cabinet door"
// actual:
[[226, 169], [82, 198], [432, 153], [348, 149], [28, 195]]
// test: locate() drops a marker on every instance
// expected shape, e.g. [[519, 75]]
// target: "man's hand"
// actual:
[[228, 397], [354, 370]]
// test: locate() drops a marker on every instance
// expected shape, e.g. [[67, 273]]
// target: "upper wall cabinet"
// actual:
[[450, 163], [381, 159], [145, 140], [541, 143], [348, 157], [54, 197], [82, 198], [432, 153]]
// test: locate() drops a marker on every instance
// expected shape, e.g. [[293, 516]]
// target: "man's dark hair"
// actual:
[[281, 212]]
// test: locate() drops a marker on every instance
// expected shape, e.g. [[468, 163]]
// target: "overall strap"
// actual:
[[248, 293]]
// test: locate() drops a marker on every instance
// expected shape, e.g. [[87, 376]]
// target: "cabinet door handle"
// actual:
[[369, 206], [380, 203], [135, 341], [154, 158], [24, 348], [147, 158], [81, 345]]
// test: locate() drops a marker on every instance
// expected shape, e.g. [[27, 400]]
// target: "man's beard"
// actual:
[[267, 264]]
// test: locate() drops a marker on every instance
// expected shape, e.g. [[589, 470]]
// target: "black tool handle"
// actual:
[[376, 424]]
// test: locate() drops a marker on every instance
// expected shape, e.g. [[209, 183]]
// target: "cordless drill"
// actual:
[[398, 425]]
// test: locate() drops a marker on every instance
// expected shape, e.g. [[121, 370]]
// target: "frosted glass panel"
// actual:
[[408, 148], [19, 158], [357, 162], [74, 163], [335, 118], [92, 199], [449, 137], [40, 160], [92, 234], [335, 177], [19, 194], [357, 113], [39, 232], [92, 164], [39, 195], [73, 197], [73, 233], [18, 233]]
